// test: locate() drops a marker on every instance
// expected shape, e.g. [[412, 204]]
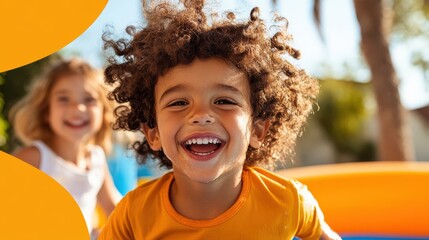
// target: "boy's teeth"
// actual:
[[205, 140]]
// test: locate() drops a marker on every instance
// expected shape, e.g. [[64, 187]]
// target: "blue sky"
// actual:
[[340, 29]]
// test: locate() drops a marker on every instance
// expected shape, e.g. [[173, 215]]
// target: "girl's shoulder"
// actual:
[[98, 156], [30, 155]]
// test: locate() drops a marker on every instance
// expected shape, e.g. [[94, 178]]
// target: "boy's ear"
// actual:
[[259, 131], [152, 137]]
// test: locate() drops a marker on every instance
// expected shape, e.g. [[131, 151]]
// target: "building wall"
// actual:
[[420, 135]]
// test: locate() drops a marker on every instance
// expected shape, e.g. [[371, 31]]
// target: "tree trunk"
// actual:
[[394, 136]]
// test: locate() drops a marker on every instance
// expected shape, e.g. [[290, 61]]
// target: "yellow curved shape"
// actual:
[[373, 198], [34, 206], [31, 30]]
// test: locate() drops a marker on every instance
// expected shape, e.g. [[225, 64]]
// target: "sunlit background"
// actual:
[[345, 129], [346, 126]]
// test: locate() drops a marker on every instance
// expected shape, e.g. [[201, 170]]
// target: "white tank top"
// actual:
[[83, 185]]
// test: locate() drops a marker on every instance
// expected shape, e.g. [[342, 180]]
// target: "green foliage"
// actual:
[[3, 122], [409, 18], [342, 114], [410, 26]]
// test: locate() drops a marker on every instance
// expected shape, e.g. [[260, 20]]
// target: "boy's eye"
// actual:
[[177, 103], [225, 102]]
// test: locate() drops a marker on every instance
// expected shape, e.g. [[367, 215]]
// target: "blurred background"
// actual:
[[371, 57]]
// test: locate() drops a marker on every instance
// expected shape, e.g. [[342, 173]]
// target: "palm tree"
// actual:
[[394, 138], [394, 134]]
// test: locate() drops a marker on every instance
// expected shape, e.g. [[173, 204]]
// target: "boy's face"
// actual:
[[204, 120]]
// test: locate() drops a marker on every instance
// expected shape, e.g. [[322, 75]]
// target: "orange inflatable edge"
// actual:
[[371, 198]]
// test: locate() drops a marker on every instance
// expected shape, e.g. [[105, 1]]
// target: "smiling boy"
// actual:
[[213, 101], [207, 100]]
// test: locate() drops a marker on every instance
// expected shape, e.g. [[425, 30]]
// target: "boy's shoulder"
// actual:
[[274, 181], [150, 189]]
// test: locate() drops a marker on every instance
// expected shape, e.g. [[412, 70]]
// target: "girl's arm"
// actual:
[[108, 196], [30, 155]]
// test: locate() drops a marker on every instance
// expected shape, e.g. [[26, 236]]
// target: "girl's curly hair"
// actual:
[[280, 92]]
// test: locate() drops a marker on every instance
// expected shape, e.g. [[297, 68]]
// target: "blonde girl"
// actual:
[[64, 123]]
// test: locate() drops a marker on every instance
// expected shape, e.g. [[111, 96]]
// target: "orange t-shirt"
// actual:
[[268, 207]]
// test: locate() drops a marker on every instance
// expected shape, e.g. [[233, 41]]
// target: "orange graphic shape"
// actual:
[[31, 30], [34, 206]]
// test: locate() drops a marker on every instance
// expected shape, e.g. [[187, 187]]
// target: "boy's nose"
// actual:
[[202, 119]]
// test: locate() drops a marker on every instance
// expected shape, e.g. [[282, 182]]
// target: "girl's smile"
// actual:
[[77, 123]]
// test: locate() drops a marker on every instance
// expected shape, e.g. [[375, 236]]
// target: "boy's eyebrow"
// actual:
[[229, 88], [172, 89], [220, 86]]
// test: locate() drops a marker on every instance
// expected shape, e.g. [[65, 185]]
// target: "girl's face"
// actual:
[[75, 109], [204, 120]]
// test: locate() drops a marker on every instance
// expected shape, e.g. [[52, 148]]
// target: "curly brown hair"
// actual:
[[280, 92]]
